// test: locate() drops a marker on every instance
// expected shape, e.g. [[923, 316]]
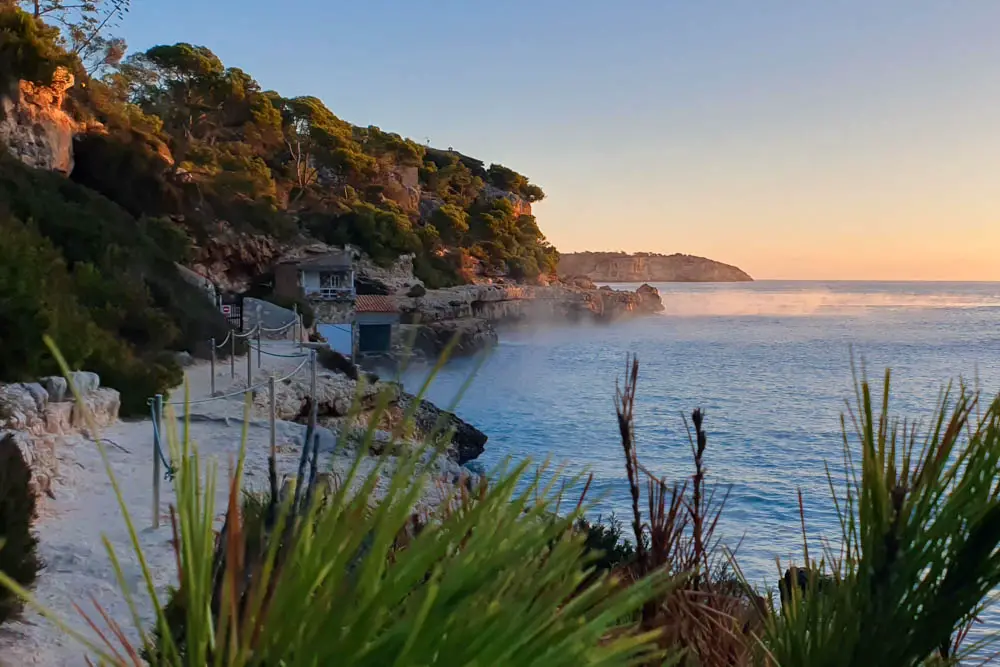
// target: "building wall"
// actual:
[[286, 281], [310, 281]]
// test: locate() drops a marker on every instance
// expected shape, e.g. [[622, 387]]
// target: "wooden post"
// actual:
[[232, 356], [273, 411], [212, 343], [157, 445]]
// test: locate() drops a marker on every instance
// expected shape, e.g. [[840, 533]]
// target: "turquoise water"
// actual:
[[770, 362]]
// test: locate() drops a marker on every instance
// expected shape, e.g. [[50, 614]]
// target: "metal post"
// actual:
[[232, 356], [213, 366], [157, 430], [270, 388], [295, 322], [249, 366], [258, 339], [312, 387], [298, 324]]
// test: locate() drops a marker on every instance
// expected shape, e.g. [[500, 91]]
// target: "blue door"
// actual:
[[375, 338]]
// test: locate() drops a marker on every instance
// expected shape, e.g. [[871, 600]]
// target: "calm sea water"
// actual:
[[769, 362]]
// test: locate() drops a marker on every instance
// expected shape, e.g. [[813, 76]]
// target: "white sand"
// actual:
[[85, 510]]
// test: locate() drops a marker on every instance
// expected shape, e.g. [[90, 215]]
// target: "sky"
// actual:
[[830, 139]]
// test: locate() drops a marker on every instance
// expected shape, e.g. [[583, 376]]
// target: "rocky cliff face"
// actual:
[[643, 267], [34, 127], [471, 312]]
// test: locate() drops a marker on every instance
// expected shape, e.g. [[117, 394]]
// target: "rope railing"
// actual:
[[299, 368], [246, 334], [156, 412], [224, 341], [280, 329], [275, 354]]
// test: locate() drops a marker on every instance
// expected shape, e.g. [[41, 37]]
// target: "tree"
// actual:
[[452, 223], [501, 177], [84, 25]]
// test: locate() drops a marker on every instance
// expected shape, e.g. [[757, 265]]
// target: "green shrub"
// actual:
[[27, 48], [103, 285], [19, 549], [605, 539]]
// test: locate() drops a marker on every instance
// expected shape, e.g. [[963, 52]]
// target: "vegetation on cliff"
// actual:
[[175, 145]]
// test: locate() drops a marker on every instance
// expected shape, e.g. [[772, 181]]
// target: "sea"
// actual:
[[771, 364]]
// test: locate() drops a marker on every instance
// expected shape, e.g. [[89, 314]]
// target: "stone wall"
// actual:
[[39, 413]]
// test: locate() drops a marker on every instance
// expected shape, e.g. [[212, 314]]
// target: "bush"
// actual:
[[606, 541], [19, 552]]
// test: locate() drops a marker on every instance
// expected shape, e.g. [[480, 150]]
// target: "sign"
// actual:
[[227, 310]]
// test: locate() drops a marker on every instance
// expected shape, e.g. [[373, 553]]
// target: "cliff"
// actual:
[[33, 125], [471, 313], [648, 267]]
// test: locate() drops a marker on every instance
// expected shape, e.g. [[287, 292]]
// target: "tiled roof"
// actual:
[[374, 303], [329, 260]]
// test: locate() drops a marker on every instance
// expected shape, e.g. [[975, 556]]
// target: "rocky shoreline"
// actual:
[[473, 313]]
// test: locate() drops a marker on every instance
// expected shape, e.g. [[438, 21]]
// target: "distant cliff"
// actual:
[[647, 267]]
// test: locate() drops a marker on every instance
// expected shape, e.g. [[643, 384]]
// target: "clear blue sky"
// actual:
[[797, 139]]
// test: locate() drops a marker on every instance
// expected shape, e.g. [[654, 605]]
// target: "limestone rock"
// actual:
[[471, 335], [22, 407], [467, 442], [102, 404], [649, 298], [85, 382], [33, 126], [57, 387]]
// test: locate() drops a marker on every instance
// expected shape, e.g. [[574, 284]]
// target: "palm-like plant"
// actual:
[[920, 519]]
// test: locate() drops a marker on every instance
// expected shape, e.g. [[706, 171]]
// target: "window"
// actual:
[[330, 280]]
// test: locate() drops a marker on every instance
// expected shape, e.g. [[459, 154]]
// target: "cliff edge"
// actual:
[[648, 267]]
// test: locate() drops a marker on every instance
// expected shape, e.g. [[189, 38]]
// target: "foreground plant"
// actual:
[[494, 581], [920, 554]]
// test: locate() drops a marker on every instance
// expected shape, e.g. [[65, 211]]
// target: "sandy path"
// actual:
[[71, 526]]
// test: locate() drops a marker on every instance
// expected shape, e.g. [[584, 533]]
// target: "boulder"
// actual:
[[22, 407], [57, 387], [85, 382], [649, 298], [102, 404], [467, 442], [183, 359]]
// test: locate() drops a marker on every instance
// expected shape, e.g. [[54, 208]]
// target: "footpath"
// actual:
[[84, 511]]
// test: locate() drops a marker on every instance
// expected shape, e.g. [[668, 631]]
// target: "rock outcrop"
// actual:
[[647, 267], [340, 404], [473, 311], [232, 260], [33, 125]]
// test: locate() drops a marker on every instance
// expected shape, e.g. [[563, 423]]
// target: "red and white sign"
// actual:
[[227, 310]]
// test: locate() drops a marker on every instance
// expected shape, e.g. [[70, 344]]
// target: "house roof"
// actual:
[[329, 260], [374, 303]]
